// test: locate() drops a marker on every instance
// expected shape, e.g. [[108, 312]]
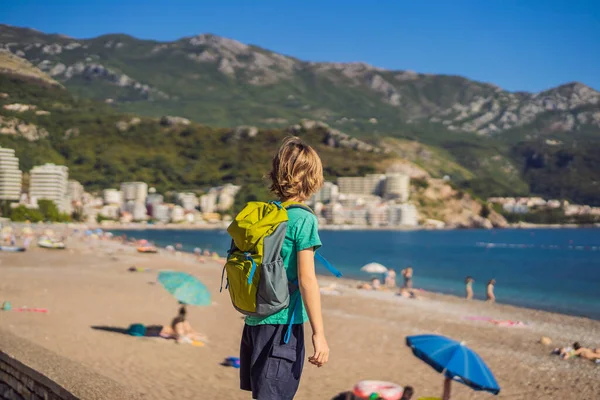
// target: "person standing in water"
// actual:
[[407, 274], [469, 287], [490, 291], [390, 278]]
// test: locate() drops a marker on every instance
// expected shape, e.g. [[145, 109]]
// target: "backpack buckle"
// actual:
[[277, 203]]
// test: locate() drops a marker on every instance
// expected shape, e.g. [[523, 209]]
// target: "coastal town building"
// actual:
[[208, 202], [378, 215], [10, 175], [371, 200], [329, 192], [227, 196], [49, 182], [110, 211], [403, 215], [219, 198], [137, 210], [177, 213], [515, 208], [154, 198], [160, 212], [371, 184], [135, 191], [75, 191], [112, 196], [396, 187], [333, 213], [189, 201]]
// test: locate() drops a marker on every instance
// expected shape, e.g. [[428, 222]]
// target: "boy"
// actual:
[[269, 367]]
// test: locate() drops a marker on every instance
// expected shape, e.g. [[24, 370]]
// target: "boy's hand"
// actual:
[[321, 355]]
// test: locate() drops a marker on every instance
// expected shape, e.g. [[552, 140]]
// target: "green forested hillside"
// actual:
[[102, 147]]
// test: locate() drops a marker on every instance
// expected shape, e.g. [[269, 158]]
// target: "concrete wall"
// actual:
[[31, 372], [19, 382]]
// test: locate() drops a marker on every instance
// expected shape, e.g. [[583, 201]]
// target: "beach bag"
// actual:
[[256, 276], [137, 330]]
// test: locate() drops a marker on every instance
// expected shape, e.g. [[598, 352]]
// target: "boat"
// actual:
[[13, 249], [51, 244], [147, 249]]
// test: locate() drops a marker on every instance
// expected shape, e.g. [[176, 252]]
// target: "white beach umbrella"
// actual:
[[374, 268]]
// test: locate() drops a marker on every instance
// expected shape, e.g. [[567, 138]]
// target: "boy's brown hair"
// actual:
[[297, 172]]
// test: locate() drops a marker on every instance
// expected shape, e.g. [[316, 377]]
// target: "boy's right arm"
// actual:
[[309, 287]]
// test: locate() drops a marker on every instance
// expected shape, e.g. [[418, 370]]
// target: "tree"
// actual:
[[5, 208], [485, 211], [78, 214], [49, 210], [22, 214]]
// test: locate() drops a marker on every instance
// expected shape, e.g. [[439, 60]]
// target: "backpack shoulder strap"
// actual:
[[300, 206], [318, 256]]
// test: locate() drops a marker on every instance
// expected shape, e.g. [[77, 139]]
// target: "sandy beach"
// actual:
[[88, 286]]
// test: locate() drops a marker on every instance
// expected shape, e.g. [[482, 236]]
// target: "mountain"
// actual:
[[491, 133], [223, 82]]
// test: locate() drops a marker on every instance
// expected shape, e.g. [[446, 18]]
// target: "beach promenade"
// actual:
[[88, 286]]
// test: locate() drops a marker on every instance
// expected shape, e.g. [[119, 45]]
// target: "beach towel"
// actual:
[[507, 323], [26, 309]]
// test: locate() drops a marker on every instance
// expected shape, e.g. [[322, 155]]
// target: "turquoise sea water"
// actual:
[[550, 269]]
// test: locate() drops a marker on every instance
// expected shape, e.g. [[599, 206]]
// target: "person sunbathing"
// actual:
[[408, 293], [180, 329], [584, 352], [374, 285], [578, 351]]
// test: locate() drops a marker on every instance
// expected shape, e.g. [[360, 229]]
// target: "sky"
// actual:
[[528, 45]]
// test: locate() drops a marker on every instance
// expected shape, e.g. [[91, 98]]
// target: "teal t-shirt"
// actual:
[[302, 233]]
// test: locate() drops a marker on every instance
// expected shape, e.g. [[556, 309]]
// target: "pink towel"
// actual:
[[38, 310]]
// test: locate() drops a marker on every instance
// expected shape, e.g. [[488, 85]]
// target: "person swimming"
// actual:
[[469, 288]]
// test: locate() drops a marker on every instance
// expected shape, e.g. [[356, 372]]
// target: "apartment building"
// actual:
[[50, 182], [10, 175]]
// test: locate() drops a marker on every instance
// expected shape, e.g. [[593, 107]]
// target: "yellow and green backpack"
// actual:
[[256, 277]]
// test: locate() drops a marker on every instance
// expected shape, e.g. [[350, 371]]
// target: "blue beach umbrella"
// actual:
[[455, 360], [185, 288]]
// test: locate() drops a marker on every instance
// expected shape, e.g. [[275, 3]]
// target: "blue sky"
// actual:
[[517, 44]]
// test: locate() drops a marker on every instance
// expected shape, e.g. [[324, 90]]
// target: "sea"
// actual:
[[549, 269]]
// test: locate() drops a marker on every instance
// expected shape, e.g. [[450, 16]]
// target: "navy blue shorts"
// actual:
[[270, 368]]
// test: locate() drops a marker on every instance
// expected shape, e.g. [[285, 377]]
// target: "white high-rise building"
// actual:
[[404, 215], [189, 201], [329, 192], [371, 184], [227, 196], [75, 191], [112, 196], [154, 199], [177, 214], [135, 191], [397, 186], [138, 211], [208, 202], [10, 175], [49, 182], [161, 212]]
